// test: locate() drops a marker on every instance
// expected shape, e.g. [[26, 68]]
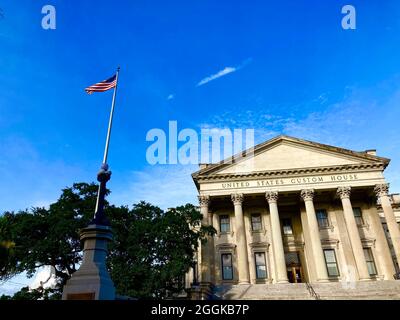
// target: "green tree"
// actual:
[[26, 294], [150, 252]]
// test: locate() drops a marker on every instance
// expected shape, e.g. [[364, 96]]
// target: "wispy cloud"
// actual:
[[171, 96], [217, 75], [224, 72]]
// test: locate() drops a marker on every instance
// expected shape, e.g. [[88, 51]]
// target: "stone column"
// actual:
[[383, 254], [319, 260], [352, 229], [277, 242], [206, 249], [242, 257], [381, 191]]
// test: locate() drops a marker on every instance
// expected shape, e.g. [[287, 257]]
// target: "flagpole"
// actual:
[[104, 174], [92, 273], [111, 119]]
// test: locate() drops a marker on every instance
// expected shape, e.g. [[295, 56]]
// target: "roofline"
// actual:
[[241, 155]]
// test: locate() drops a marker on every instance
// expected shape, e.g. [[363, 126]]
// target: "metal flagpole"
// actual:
[[104, 174], [93, 272], [111, 119]]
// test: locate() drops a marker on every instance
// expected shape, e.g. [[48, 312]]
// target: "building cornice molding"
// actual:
[[259, 244], [368, 241], [225, 245], [330, 242], [291, 172]]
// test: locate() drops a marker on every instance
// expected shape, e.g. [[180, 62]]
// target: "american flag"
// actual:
[[103, 85]]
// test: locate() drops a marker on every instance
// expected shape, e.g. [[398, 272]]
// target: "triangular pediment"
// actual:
[[288, 153]]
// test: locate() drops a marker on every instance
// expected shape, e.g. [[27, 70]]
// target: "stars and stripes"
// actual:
[[103, 85]]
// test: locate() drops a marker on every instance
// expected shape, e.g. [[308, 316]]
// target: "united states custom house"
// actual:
[[297, 215]]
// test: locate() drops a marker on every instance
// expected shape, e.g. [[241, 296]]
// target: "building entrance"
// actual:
[[293, 267]]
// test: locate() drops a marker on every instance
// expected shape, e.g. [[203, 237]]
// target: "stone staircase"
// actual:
[[364, 290], [368, 290], [284, 291]]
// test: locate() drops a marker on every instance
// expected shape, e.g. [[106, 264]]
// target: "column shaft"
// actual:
[[242, 257], [384, 255], [277, 242], [382, 191], [356, 245], [319, 260]]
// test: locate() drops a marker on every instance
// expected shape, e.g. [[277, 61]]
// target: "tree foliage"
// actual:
[[150, 252]]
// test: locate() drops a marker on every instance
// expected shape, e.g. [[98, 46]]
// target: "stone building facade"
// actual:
[[297, 211]]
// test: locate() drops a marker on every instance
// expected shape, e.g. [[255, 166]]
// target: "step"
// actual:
[[369, 290]]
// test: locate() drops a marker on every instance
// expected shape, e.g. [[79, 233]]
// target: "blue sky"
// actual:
[[286, 67], [292, 70]]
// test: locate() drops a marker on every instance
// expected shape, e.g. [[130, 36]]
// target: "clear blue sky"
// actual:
[[301, 74]]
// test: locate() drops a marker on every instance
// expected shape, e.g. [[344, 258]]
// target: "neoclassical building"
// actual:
[[297, 211]]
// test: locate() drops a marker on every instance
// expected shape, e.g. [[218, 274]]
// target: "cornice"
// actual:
[[226, 245], [259, 244], [292, 172]]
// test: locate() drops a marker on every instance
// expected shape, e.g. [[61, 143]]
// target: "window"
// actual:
[[256, 224], [287, 226], [261, 267], [224, 223], [322, 218], [227, 270], [358, 216], [369, 258], [331, 264]]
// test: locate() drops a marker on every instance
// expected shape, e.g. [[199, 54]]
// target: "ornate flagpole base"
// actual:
[[92, 281]]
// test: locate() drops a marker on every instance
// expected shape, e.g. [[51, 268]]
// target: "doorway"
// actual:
[[293, 267], [294, 274]]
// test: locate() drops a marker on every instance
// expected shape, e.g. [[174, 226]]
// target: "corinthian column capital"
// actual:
[[204, 201], [237, 198], [307, 194], [381, 189], [271, 196], [344, 192]]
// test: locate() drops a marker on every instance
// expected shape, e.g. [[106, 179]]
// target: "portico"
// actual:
[[298, 211]]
